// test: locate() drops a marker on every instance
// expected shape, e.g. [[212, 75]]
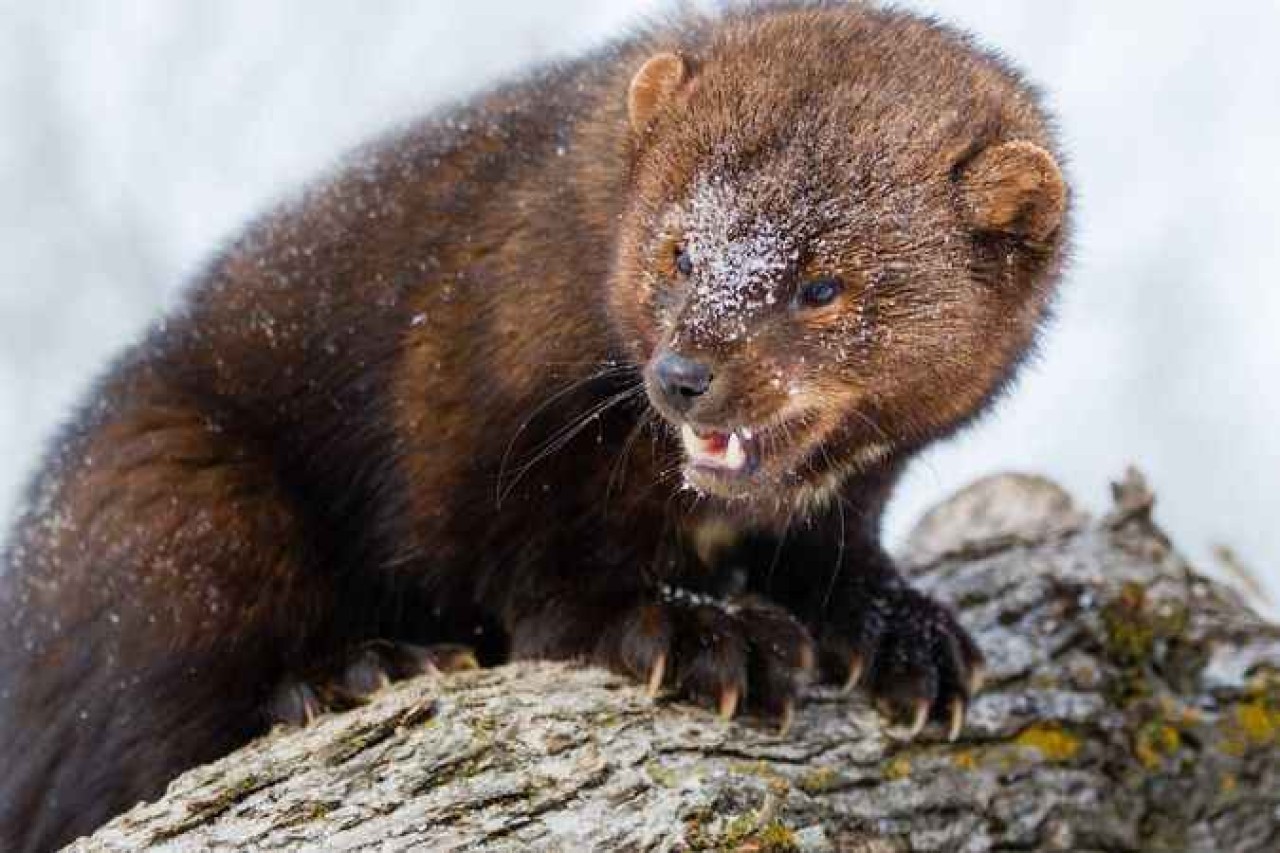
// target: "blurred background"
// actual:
[[139, 134]]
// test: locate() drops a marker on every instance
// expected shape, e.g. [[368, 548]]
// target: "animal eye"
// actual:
[[819, 292], [684, 263]]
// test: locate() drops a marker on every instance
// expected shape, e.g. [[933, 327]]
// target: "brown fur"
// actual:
[[409, 404]]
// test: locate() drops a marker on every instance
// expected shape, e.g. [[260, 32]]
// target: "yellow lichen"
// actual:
[[760, 770], [898, 769], [1233, 744], [965, 760], [755, 831], [744, 834], [1155, 742], [1051, 740], [1182, 716], [738, 830], [1253, 724], [1259, 722], [774, 837], [818, 780]]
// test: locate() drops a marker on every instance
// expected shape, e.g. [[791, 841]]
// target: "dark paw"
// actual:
[[357, 675], [910, 653], [746, 653]]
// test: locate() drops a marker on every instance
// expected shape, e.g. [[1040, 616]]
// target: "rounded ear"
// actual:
[[1013, 188], [658, 79]]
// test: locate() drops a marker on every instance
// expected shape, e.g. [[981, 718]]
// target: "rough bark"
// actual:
[[1132, 705]]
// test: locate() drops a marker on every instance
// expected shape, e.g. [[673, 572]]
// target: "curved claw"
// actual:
[[656, 674], [787, 719], [729, 702], [443, 658], [311, 709], [919, 719], [856, 665], [955, 719], [295, 704], [977, 677], [462, 661], [808, 663]]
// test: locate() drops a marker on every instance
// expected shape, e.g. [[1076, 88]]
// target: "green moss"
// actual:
[[1141, 637], [357, 740], [707, 832], [661, 775], [202, 811], [306, 813], [738, 830], [753, 768], [1051, 740], [361, 738], [743, 834], [818, 781], [1130, 640], [765, 772], [484, 727]]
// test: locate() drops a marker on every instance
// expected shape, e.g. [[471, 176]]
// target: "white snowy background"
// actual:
[[136, 135]]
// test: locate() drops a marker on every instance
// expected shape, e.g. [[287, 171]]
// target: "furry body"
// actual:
[[418, 403]]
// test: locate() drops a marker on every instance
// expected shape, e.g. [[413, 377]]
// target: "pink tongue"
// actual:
[[715, 442]]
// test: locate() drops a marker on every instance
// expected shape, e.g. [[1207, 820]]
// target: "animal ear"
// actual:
[[658, 79], [1015, 189]]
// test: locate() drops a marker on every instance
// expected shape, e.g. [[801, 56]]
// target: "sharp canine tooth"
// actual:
[[733, 455], [746, 433], [690, 438]]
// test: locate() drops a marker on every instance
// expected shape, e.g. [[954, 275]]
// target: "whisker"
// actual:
[[777, 552], [609, 369], [618, 472], [839, 564], [563, 437], [924, 459], [668, 520], [867, 419]]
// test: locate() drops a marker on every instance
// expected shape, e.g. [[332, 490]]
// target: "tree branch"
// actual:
[[1132, 705]]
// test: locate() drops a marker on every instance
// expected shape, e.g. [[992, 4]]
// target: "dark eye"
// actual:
[[819, 292], [684, 263]]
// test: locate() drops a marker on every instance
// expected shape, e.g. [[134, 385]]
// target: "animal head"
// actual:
[[844, 232]]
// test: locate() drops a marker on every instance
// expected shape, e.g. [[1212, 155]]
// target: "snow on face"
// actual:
[[741, 256]]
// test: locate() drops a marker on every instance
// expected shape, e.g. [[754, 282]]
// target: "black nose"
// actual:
[[681, 379]]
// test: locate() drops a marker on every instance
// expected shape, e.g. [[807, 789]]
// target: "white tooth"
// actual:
[[690, 438], [746, 434], [734, 457]]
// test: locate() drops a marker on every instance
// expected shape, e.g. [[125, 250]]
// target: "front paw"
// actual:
[[353, 677], [907, 651], [745, 652]]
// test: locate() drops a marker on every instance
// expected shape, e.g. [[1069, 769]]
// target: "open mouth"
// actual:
[[735, 453]]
